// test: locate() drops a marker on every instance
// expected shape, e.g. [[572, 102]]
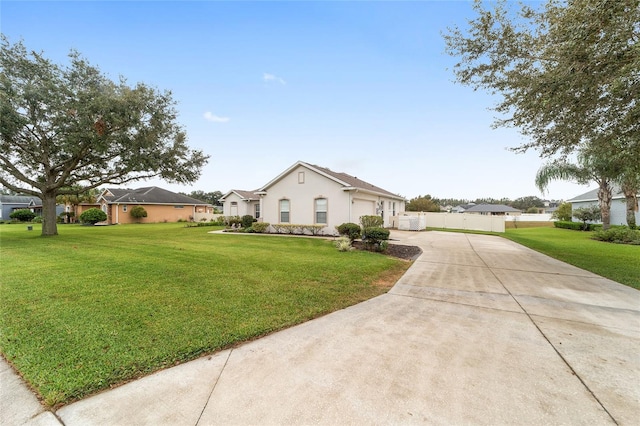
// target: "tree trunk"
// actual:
[[630, 194], [632, 208], [49, 218], [604, 195]]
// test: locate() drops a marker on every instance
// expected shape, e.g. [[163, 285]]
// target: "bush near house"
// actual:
[[350, 229], [93, 216], [23, 215], [375, 238], [260, 227], [371, 222], [138, 212], [247, 220]]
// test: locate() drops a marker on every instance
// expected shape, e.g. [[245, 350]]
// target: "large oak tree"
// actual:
[[70, 128]]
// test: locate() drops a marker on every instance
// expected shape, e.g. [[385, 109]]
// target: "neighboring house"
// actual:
[[308, 194], [493, 210], [9, 203], [161, 205], [461, 208], [618, 205], [241, 203]]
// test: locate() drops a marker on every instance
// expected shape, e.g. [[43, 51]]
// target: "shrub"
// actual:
[[373, 238], [371, 222], [23, 215], [622, 235], [233, 221], [343, 243], [577, 226], [260, 227], [247, 220], [138, 212], [350, 229], [312, 229], [37, 219], [93, 216]]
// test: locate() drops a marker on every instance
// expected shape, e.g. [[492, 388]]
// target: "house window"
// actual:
[[393, 209], [257, 211], [178, 207], [300, 177], [321, 210], [284, 211], [124, 208]]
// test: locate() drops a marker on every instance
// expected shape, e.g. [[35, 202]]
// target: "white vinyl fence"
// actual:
[[414, 221]]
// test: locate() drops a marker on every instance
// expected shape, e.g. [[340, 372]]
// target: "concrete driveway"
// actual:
[[480, 330]]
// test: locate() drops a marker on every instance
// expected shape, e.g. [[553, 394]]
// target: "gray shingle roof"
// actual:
[[592, 195], [19, 199], [353, 181], [149, 195]]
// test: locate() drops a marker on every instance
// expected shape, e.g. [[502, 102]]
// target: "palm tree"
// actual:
[[589, 169]]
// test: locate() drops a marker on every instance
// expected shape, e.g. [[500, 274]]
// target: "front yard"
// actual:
[[97, 306]]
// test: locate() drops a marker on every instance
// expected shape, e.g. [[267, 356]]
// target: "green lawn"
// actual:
[[619, 262], [96, 306]]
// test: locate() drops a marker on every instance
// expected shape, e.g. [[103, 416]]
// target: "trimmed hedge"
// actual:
[[577, 226], [622, 235], [375, 238]]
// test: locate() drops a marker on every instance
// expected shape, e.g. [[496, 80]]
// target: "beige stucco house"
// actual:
[[161, 205], [307, 194]]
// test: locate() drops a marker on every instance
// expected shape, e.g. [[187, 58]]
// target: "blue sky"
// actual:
[[363, 88]]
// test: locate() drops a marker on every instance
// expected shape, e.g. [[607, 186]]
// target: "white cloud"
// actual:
[[266, 77], [209, 116]]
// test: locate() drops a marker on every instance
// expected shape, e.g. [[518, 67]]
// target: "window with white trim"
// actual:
[[256, 210], [124, 208], [285, 211], [321, 210]]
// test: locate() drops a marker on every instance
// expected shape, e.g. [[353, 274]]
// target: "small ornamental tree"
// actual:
[[93, 216], [563, 212], [138, 212], [23, 215], [587, 214]]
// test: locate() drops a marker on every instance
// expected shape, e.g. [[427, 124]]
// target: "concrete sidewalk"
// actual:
[[480, 330]]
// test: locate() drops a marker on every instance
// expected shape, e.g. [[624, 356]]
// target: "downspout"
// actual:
[[117, 214]]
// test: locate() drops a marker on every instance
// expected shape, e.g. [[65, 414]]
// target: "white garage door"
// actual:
[[362, 208]]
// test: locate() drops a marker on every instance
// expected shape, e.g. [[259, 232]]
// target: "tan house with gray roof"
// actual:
[[307, 194], [161, 205]]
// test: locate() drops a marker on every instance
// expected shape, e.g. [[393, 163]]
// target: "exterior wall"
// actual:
[[303, 186], [155, 213], [302, 198], [618, 210], [243, 207]]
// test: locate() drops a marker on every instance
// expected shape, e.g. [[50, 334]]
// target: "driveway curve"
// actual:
[[480, 330]]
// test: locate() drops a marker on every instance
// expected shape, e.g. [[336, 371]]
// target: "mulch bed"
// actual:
[[396, 250]]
